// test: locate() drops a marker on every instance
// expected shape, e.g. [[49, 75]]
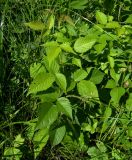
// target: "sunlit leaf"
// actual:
[[84, 44], [112, 25], [36, 68], [111, 61], [116, 94], [129, 19], [66, 47], [87, 89], [77, 4], [101, 17], [52, 53], [96, 76], [42, 81], [61, 81], [110, 84], [79, 75], [51, 22], [64, 106], [77, 62], [35, 25]]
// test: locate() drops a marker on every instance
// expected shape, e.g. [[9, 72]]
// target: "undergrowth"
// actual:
[[66, 79]]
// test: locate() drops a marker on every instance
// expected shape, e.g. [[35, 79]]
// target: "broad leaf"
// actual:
[[100, 47], [77, 62], [110, 84], [35, 69], [84, 44], [12, 152], [40, 140], [129, 19], [111, 61], [61, 81], [57, 135], [114, 75], [42, 81], [66, 47], [52, 53], [49, 97], [87, 89], [35, 25], [101, 146], [96, 76], [77, 4], [101, 17], [79, 75], [112, 25], [64, 106], [116, 94], [47, 115]]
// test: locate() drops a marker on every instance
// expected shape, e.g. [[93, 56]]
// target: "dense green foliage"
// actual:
[[66, 79]]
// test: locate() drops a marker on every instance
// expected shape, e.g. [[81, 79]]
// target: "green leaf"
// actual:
[[18, 140], [101, 17], [77, 4], [110, 84], [40, 140], [89, 127], [47, 115], [51, 44], [111, 61], [129, 19], [116, 93], [51, 21], [84, 44], [114, 75], [79, 75], [93, 151], [130, 131], [77, 62], [57, 135], [54, 67], [101, 147], [42, 82], [71, 86], [35, 25], [107, 114], [99, 47], [12, 152], [112, 25], [52, 53], [60, 37], [49, 97], [116, 154], [87, 89], [71, 30], [64, 106], [61, 81], [66, 47], [36, 68], [96, 76], [129, 103]]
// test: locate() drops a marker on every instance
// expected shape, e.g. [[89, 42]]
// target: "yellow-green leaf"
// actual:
[[101, 17], [35, 25]]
